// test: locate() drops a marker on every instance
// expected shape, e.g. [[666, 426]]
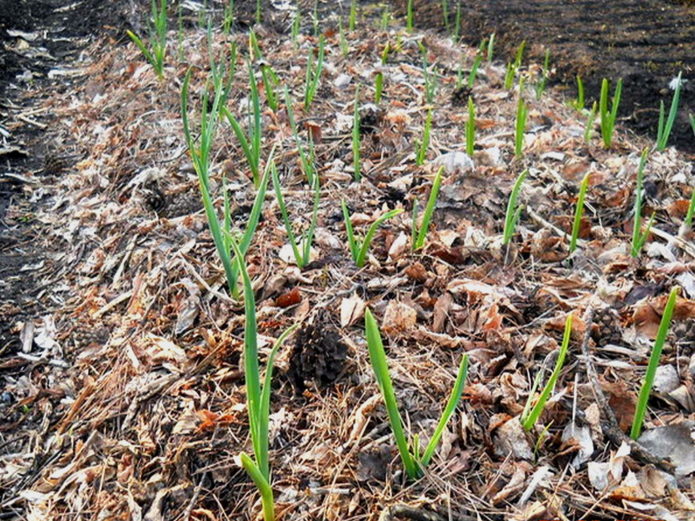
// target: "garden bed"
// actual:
[[126, 399]]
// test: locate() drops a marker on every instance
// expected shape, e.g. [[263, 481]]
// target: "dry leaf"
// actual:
[[290, 298], [417, 272], [510, 437], [398, 318], [441, 310], [351, 309]]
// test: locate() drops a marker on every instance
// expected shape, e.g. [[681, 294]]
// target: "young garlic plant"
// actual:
[[257, 394], [666, 124], [513, 210], [470, 128], [414, 459], [530, 415], [608, 118], [578, 213], [359, 248], [424, 144], [648, 382], [155, 53], [313, 74], [419, 232], [251, 143], [300, 248]]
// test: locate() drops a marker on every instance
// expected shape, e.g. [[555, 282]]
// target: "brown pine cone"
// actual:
[[607, 328], [319, 355]]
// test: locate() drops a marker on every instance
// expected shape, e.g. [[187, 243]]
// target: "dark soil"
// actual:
[[54, 33], [645, 42]]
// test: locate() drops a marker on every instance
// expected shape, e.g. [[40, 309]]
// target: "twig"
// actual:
[[546, 224], [191, 504], [408, 512], [674, 240]]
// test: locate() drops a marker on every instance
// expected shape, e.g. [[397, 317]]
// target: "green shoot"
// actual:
[[579, 102], [413, 460], [218, 70], [379, 80], [228, 17], [356, 138], [377, 356], [542, 83], [512, 68], [352, 20], [491, 47], [519, 55], [509, 75], [474, 69], [306, 159], [520, 127], [313, 74], [257, 394], [419, 237], [691, 117], [359, 248], [513, 209], [203, 15], [424, 144], [156, 52], [386, 18], [534, 387], [457, 24], [646, 389], [265, 489], [529, 420], [665, 126], [200, 151], [578, 212], [296, 26], [445, 14], [300, 249], [691, 211], [259, 11], [342, 40], [251, 144], [179, 32], [639, 238], [541, 439], [200, 155], [270, 79], [315, 18], [378, 86], [608, 118], [410, 17], [590, 120], [470, 128]]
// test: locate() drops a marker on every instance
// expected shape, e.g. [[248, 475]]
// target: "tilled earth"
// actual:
[[645, 42]]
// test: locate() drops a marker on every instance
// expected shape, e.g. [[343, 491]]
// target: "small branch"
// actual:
[[416, 514]]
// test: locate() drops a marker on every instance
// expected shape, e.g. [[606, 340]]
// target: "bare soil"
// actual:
[[645, 42]]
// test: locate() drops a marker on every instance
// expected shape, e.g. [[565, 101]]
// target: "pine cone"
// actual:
[[319, 355], [607, 328]]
